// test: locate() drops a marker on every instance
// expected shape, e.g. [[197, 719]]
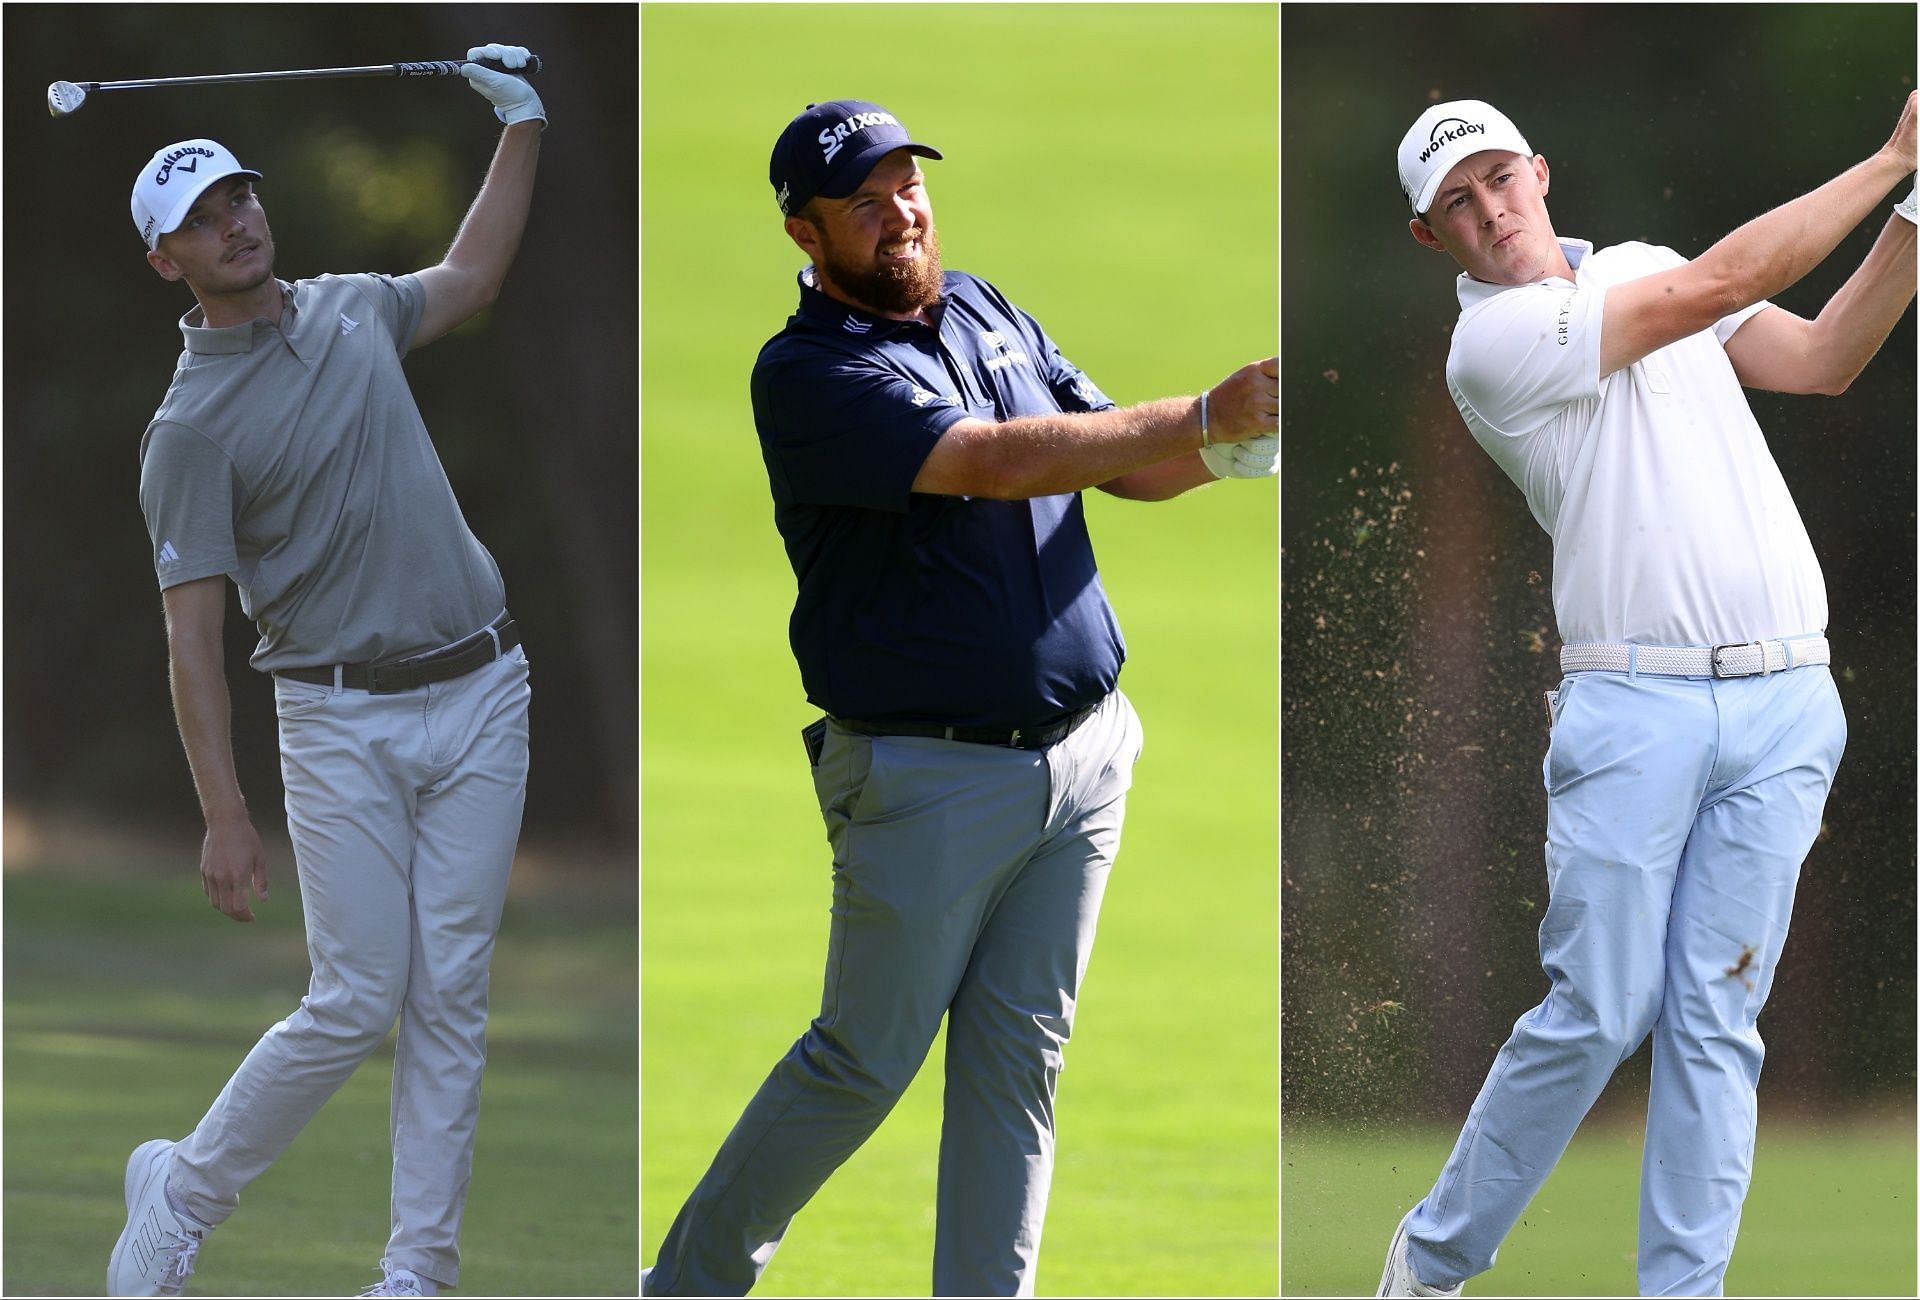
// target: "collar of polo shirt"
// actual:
[[818, 308], [223, 340], [1473, 291]]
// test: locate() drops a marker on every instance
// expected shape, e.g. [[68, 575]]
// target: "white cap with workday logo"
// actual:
[[173, 178], [1445, 134]]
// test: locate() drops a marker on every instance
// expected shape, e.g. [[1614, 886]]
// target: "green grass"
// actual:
[[1830, 1212], [129, 1002], [1114, 170]]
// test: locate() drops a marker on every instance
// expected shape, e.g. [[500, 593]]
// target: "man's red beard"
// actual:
[[887, 286]]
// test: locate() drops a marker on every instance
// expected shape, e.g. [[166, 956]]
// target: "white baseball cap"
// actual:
[[173, 178], [1445, 134]]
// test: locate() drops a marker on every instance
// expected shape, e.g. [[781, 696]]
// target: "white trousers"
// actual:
[[404, 811]]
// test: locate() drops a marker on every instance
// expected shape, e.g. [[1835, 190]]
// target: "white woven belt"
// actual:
[[1741, 659]]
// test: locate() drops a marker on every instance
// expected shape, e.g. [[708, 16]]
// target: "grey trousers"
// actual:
[[966, 883], [404, 811]]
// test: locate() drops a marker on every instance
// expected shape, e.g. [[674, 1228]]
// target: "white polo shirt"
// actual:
[[1670, 522]]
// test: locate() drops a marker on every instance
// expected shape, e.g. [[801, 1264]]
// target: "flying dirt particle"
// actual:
[[1330, 375], [1383, 1010], [1533, 578]]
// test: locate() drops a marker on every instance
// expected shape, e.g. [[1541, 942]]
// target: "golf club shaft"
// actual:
[[433, 68]]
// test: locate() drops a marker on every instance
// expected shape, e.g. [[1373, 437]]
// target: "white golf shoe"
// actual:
[[1398, 1278], [157, 1248], [401, 1281]]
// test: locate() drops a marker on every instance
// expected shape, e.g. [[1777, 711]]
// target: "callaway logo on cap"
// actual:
[[1445, 134], [829, 149], [173, 178]]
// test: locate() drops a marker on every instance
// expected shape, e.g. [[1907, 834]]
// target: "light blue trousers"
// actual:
[[966, 884], [1679, 811]]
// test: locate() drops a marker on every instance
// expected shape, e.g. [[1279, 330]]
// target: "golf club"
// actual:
[[64, 98]]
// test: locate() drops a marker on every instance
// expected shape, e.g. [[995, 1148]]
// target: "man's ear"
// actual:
[[1423, 233], [801, 232], [166, 266]]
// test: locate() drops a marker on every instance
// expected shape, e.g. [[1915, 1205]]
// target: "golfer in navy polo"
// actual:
[[926, 444]]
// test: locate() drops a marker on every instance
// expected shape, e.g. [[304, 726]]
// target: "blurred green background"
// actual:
[[531, 403], [1418, 627], [128, 1001], [1112, 168]]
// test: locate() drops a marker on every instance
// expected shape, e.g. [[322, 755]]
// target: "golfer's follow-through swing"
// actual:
[[1697, 730], [289, 458]]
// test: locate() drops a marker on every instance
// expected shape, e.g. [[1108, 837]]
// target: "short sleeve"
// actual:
[[1727, 326], [398, 300], [187, 492], [1525, 354], [841, 431]]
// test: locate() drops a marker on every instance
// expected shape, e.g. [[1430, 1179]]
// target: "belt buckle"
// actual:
[[1714, 659], [377, 674]]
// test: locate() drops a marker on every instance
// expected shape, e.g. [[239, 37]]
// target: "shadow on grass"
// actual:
[[128, 1003]]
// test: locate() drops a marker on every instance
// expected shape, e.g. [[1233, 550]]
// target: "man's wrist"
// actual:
[[1899, 168], [227, 815]]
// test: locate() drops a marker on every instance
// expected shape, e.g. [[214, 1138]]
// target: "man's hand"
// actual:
[[512, 98], [1246, 404], [1254, 458], [230, 860]]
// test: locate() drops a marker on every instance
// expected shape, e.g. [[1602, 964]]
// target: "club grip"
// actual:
[[451, 67]]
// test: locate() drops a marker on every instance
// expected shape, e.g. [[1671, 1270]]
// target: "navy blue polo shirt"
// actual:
[[914, 607]]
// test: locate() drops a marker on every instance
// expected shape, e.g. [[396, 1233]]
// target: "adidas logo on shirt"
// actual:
[[852, 326], [167, 554], [348, 324]]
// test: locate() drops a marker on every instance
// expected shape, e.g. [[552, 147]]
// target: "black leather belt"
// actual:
[[457, 660], [1040, 736]]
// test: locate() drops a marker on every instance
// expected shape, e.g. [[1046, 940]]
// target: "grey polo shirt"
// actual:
[[292, 458]]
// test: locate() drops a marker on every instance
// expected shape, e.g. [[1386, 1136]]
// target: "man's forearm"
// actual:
[[1163, 481], [204, 711], [1857, 319], [1045, 455], [490, 235], [1771, 252]]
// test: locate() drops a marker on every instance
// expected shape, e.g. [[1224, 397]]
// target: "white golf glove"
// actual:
[[1254, 458], [1905, 207], [512, 98]]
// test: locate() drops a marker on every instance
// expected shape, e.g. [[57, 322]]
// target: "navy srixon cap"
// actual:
[[829, 149]]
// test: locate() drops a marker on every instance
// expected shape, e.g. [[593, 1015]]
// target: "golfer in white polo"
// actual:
[[1697, 730]]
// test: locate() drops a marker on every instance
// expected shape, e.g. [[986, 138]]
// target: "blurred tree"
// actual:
[[533, 405]]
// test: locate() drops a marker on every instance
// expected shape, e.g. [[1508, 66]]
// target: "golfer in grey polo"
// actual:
[[289, 457]]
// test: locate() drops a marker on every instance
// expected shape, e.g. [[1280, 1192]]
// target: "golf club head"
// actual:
[[64, 98]]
